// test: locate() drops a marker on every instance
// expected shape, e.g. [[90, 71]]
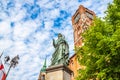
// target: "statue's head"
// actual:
[[59, 35]]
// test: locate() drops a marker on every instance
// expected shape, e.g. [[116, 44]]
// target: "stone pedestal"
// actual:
[[58, 72]]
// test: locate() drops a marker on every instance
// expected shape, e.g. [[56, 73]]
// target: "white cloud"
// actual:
[[54, 13], [5, 43], [5, 28]]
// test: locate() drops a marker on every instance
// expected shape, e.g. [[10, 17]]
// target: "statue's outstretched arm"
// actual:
[[54, 43]]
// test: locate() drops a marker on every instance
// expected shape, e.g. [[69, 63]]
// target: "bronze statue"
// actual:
[[61, 54]]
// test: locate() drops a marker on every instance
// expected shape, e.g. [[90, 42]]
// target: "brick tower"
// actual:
[[81, 20]]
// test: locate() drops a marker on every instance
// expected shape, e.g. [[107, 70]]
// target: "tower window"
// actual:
[[72, 62], [77, 18], [73, 74], [43, 77], [89, 15]]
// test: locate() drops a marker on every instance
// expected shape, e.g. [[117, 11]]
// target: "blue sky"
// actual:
[[27, 28]]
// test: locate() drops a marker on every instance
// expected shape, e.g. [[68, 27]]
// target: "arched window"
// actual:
[[43, 77]]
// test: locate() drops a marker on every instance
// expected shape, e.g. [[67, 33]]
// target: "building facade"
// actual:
[[74, 66], [81, 20]]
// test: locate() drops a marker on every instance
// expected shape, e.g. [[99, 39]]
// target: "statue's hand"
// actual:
[[53, 42]]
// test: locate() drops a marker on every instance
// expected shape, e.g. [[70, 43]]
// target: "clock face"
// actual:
[[77, 18], [83, 17]]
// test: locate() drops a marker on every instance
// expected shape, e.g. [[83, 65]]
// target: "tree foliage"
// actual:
[[101, 51]]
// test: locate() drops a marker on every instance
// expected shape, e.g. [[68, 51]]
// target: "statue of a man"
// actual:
[[61, 54]]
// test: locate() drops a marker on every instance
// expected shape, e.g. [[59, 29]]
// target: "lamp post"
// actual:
[[12, 63]]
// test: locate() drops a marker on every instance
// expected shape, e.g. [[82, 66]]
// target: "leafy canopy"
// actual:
[[101, 51]]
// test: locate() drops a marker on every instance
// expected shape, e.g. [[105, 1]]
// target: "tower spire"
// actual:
[[43, 69]]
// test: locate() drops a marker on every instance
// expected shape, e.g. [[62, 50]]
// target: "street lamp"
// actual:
[[13, 62]]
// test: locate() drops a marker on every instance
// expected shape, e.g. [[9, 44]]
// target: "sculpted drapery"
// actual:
[[61, 53]]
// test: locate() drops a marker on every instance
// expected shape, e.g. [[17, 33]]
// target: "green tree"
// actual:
[[101, 51]]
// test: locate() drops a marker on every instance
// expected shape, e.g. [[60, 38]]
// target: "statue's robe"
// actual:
[[61, 54]]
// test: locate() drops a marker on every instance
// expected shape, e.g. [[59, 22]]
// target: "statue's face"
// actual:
[[59, 35]]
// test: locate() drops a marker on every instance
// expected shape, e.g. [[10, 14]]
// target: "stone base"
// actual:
[[58, 72]]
